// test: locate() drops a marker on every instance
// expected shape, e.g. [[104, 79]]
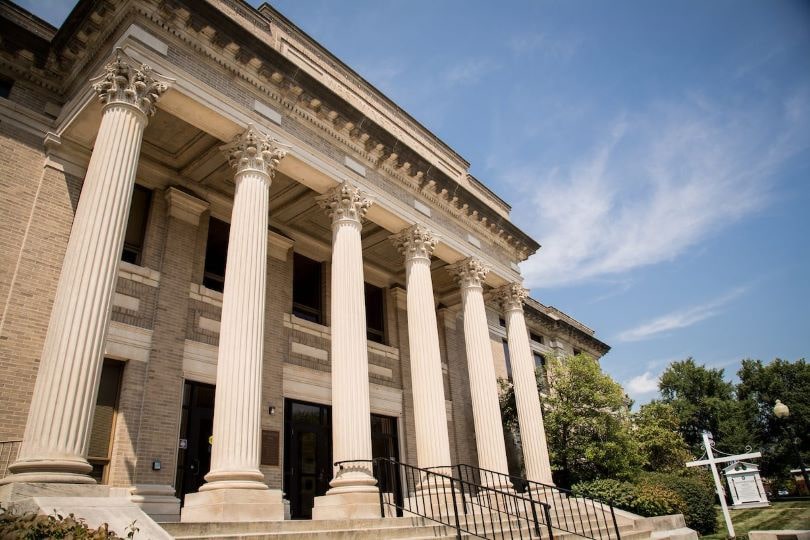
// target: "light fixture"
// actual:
[[272, 410], [781, 410]]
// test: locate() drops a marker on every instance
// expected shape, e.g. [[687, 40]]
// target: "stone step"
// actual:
[[184, 529]]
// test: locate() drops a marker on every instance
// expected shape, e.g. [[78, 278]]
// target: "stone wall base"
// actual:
[[93, 503], [157, 500]]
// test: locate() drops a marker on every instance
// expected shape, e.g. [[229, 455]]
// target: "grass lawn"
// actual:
[[780, 515]]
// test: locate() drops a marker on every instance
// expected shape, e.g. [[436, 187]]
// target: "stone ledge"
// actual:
[[139, 274]]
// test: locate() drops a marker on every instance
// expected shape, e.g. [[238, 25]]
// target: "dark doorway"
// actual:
[[385, 443], [307, 454], [196, 428]]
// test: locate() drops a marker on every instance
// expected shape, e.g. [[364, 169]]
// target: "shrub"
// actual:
[[30, 526], [642, 499], [696, 492]]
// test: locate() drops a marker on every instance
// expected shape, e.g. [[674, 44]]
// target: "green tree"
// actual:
[[700, 397], [657, 431], [759, 387], [587, 423]]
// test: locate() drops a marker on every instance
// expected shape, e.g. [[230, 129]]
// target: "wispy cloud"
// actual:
[[660, 181], [681, 318], [645, 383], [538, 42], [469, 71]]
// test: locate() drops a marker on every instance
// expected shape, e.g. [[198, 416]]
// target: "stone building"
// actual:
[[227, 261]]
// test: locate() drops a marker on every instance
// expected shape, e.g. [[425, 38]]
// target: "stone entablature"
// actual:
[[267, 71]]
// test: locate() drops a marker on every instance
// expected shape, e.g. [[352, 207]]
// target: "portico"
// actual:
[[285, 251]]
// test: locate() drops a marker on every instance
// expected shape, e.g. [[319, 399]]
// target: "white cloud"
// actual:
[[642, 384], [557, 48], [658, 184], [679, 319], [469, 71]]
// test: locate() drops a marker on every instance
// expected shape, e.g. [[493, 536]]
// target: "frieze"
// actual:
[[408, 167]]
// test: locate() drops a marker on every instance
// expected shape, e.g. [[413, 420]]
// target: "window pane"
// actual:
[[216, 254], [375, 313], [307, 295], [136, 225]]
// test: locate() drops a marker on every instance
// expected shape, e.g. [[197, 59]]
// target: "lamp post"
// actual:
[[781, 411]]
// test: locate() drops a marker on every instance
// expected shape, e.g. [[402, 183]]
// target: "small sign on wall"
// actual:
[[270, 447]]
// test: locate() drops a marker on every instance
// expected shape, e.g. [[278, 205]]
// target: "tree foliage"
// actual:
[[699, 396], [661, 445], [587, 422], [759, 387]]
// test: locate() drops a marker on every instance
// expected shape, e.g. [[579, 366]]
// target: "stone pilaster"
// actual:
[[54, 447], [354, 492], [432, 444], [470, 274], [235, 488], [527, 398], [154, 491]]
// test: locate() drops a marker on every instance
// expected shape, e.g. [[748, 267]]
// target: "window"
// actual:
[[507, 359], [216, 254], [502, 321], [536, 338], [540, 366], [101, 433], [307, 294], [136, 225], [375, 314], [5, 87]]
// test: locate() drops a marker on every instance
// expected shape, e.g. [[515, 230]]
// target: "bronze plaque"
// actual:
[[270, 447]]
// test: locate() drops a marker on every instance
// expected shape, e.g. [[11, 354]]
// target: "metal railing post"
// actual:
[[461, 485], [548, 521], [455, 507], [534, 517], [615, 523]]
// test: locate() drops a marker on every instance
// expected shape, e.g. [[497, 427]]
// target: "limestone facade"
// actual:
[[214, 113]]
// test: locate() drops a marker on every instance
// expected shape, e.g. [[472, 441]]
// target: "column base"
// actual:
[[51, 471], [357, 505], [233, 504], [157, 500]]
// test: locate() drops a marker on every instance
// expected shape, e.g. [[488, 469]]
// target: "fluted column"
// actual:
[[237, 408], [54, 446], [351, 420], [527, 398], [470, 274], [235, 488], [432, 444]]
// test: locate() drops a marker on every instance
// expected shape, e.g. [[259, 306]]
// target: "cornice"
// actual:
[[228, 43]]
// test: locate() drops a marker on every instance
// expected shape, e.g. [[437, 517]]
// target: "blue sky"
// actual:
[[659, 151]]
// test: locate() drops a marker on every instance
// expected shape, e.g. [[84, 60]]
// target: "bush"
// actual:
[[698, 494], [643, 499], [30, 526]]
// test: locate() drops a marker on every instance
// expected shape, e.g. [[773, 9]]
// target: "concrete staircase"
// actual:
[[591, 519], [413, 528]]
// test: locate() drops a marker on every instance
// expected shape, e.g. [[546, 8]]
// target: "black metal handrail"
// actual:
[[460, 504], [585, 517]]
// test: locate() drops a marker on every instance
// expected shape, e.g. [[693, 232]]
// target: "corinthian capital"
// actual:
[[345, 203], [470, 272], [511, 296], [415, 242], [126, 81], [254, 151]]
